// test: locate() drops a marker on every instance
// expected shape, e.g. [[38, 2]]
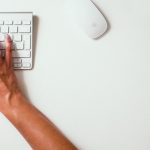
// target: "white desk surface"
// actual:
[[96, 92]]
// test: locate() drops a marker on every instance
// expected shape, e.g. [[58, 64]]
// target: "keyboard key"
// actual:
[[4, 29], [17, 22], [2, 45], [2, 37], [26, 65], [17, 37], [21, 53], [1, 22], [18, 45], [24, 29], [27, 22], [17, 60], [13, 29], [27, 40], [17, 65], [8, 22]]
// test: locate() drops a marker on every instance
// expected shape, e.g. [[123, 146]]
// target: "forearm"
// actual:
[[40, 133]]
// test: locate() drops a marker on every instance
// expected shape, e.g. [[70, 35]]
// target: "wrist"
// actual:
[[13, 101]]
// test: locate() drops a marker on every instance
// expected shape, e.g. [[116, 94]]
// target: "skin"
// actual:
[[39, 132]]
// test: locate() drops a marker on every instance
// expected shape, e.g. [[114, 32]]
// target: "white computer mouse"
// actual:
[[87, 16]]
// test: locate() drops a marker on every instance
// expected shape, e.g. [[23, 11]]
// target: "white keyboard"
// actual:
[[19, 26]]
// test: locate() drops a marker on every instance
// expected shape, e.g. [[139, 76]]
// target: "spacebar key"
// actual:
[[21, 53]]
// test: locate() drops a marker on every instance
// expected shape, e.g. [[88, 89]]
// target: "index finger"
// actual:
[[8, 53]]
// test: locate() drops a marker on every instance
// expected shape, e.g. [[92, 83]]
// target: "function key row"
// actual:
[[17, 22]]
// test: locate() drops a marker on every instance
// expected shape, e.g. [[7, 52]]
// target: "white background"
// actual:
[[96, 91]]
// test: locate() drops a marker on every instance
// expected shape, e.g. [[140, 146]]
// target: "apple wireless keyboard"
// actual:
[[19, 26]]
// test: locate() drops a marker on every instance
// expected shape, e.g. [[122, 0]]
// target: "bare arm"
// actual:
[[40, 133]]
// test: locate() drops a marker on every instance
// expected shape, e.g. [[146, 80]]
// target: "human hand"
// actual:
[[8, 82]]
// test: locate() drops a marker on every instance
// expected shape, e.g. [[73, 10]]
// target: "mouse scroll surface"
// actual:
[[88, 17]]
